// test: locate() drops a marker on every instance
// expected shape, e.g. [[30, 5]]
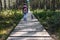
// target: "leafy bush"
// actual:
[[8, 20], [50, 20]]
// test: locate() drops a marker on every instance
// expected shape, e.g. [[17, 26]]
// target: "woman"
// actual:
[[25, 11]]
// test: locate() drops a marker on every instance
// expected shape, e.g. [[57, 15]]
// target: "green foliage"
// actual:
[[8, 20], [50, 20]]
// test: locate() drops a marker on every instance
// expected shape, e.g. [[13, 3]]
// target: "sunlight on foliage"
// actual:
[[8, 20]]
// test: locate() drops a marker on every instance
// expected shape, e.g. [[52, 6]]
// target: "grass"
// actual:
[[8, 20], [50, 20]]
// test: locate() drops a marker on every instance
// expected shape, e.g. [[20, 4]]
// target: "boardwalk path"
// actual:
[[30, 30]]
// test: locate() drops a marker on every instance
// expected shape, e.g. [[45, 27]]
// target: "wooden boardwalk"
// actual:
[[29, 30]]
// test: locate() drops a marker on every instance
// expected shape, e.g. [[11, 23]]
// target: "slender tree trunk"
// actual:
[[45, 1], [0, 5], [58, 7], [53, 5], [4, 4], [9, 4], [16, 4]]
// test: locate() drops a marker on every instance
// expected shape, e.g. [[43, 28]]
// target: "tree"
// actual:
[[9, 3], [0, 5], [53, 5], [5, 4], [45, 7]]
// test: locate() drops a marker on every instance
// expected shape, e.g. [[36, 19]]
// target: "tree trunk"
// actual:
[[4, 4], [45, 3], [9, 4], [0, 5], [53, 5]]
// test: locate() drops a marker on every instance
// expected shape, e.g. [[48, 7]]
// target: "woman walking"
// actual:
[[25, 11]]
